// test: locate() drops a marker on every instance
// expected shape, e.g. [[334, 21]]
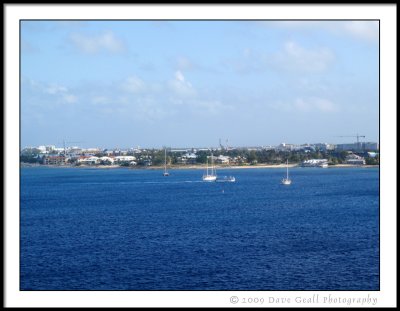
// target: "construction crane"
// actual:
[[358, 138]]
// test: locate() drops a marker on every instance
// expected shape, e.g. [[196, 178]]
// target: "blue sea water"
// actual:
[[131, 229]]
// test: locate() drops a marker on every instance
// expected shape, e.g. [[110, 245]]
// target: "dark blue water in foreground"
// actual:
[[124, 229]]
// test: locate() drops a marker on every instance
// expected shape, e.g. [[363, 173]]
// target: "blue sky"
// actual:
[[189, 83]]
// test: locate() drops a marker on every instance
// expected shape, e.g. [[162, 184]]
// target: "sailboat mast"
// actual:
[[287, 169], [212, 164], [165, 160]]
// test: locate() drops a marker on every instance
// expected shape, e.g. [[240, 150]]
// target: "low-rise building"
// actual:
[[285, 147], [122, 159], [314, 162], [238, 160], [54, 160], [89, 160], [188, 158], [90, 151], [106, 160], [355, 159], [222, 159]]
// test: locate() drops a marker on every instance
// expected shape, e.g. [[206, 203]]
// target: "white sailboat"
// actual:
[[165, 164], [213, 175], [287, 180]]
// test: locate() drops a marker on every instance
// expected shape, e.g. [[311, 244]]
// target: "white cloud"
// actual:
[[61, 92], [181, 87], [179, 76], [106, 41], [55, 89], [294, 57], [132, 98], [50, 92]]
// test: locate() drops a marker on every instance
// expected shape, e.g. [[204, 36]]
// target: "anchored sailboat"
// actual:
[[213, 175], [287, 181], [165, 164]]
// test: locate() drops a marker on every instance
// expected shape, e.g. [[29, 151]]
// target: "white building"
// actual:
[[355, 159], [59, 150], [314, 162], [89, 160], [90, 151], [222, 159], [285, 147], [324, 146], [42, 149], [188, 158], [107, 159], [120, 159]]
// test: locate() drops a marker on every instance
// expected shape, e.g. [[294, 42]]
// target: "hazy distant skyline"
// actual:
[[189, 83]]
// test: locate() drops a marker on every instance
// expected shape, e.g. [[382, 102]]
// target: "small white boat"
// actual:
[[287, 180], [226, 179], [165, 164], [210, 176]]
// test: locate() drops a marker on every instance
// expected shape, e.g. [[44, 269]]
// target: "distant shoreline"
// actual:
[[186, 167], [267, 166]]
